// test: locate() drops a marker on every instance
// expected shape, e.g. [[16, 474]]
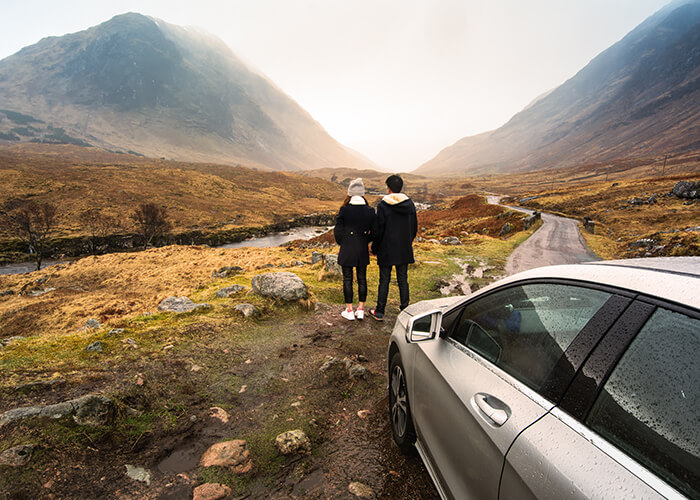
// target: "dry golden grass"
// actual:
[[196, 196]]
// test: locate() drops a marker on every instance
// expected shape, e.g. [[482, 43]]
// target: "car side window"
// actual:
[[525, 329], [650, 405]]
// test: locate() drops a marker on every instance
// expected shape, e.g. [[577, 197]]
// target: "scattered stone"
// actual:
[[94, 347], [138, 474], [7, 292], [247, 310], [180, 305], [116, 331], [211, 491], [17, 455], [337, 369], [92, 410], [226, 271], [38, 293], [297, 263], [642, 243], [357, 371], [450, 240], [363, 413], [129, 342], [92, 324], [233, 454], [331, 264], [295, 441], [284, 286], [361, 490], [219, 414], [434, 241], [686, 189], [506, 229], [229, 290]]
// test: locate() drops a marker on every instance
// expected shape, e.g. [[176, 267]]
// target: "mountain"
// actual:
[[640, 97], [139, 85]]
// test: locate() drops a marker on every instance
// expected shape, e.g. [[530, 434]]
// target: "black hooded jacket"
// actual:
[[352, 232], [394, 229]]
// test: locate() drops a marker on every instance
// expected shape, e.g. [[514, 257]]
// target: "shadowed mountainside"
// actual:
[[640, 97], [136, 84]]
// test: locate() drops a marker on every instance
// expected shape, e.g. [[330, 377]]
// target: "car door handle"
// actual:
[[487, 404]]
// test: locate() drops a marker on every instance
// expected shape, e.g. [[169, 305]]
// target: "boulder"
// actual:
[[450, 240], [229, 290], [506, 229], [686, 189], [180, 305], [226, 271], [291, 442], [233, 454], [361, 490], [94, 347], [211, 491], [283, 286], [331, 264], [17, 455], [247, 310], [92, 410]]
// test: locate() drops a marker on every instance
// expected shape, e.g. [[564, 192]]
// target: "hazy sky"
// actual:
[[397, 80]]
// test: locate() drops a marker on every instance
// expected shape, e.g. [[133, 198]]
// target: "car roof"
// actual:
[[675, 279]]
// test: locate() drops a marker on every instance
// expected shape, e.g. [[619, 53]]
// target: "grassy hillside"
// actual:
[[207, 197]]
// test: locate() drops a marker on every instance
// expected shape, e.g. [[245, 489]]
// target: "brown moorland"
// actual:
[[197, 196]]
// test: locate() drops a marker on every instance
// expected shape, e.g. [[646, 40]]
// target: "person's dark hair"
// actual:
[[395, 183], [348, 198]]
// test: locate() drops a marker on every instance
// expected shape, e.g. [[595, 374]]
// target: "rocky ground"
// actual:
[[240, 368]]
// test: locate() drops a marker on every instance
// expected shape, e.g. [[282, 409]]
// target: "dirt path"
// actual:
[[558, 241]]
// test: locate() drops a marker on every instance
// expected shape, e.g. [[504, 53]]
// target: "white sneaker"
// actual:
[[349, 315], [360, 314]]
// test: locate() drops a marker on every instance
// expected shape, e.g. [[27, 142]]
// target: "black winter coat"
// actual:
[[352, 232], [394, 229]]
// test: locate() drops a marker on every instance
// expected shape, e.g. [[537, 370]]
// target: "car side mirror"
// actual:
[[425, 326]]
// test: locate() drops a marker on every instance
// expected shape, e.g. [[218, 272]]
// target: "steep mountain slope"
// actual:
[[640, 97], [137, 84]]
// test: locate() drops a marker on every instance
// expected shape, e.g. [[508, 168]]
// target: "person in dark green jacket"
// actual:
[[393, 232]]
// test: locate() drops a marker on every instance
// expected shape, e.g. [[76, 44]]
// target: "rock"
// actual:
[[92, 324], [116, 331], [642, 243], [226, 271], [284, 286], [7, 292], [450, 240], [11, 340], [357, 371], [138, 474], [686, 189], [337, 369], [331, 264], [39, 293], [297, 263], [233, 454], [93, 410], [361, 490], [434, 241], [180, 305], [247, 310], [229, 290], [506, 229], [17, 455], [94, 347], [219, 414], [291, 442], [211, 491], [90, 410]]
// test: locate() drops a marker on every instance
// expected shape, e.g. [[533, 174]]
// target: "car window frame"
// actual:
[[577, 353]]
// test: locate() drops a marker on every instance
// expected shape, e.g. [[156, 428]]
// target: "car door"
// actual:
[[627, 428], [478, 386]]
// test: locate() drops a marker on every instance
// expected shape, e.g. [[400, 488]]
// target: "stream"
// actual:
[[270, 240]]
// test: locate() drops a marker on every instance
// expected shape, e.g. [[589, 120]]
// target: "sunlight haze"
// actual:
[[395, 80]]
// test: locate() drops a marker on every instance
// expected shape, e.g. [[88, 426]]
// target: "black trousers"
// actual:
[[385, 278], [361, 283]]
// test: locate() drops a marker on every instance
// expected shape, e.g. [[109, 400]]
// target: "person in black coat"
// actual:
[[393, 232], [352, 232]]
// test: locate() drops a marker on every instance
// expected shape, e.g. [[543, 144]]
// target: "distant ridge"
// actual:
[[638, 98], [139, 85]]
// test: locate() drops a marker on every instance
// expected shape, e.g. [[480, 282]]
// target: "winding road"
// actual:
[[558, 241]]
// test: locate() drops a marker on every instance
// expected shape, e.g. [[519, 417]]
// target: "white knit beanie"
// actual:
[[356, 187]]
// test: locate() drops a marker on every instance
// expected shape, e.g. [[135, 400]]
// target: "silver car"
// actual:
[[576, 381]]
